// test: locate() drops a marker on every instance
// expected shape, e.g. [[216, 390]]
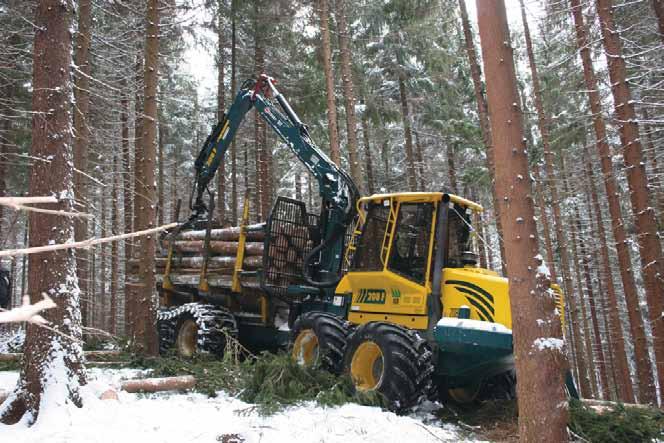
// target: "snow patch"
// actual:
[[476, 325], [555, 344]]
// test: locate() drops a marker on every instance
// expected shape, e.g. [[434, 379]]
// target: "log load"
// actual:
[[216, 247], [255, 232]]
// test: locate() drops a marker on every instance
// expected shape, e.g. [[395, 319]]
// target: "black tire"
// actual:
[[331, 334], [166, 329], [209, 324], [406, 367]]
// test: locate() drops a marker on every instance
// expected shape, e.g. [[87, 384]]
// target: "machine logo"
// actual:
[[372, 296]]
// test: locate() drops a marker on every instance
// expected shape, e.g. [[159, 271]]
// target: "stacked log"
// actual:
[[189, 254]]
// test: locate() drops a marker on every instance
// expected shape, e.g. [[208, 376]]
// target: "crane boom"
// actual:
[[337, 190]]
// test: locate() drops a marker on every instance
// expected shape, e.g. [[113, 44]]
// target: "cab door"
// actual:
[[389, 277]]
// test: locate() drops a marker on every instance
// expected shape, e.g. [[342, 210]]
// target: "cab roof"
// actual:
[[422, 197]]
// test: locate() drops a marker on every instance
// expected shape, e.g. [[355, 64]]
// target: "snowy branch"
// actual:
[[27, 312], [83, 244], [19, 203]]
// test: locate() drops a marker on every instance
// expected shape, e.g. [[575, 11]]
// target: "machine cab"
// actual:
[[390, 259]]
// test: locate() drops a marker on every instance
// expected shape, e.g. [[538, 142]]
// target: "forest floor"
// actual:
[[191, 416]]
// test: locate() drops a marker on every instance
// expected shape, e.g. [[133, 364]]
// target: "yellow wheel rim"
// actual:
[[305, 348], [367, 366], [466, 394], [187, 338]]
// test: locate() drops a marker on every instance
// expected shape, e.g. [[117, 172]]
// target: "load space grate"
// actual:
[[291, 234]]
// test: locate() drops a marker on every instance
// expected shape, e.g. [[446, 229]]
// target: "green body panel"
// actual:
[[468, 355]]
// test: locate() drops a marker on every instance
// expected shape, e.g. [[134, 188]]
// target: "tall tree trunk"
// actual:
[[657, 171], [405, 116], [451, 169], [326, 53], [160, 153], [81, 140], [540, 368], [349, 94], [102, 257], [263, 205], [482, 111], [658, 5], [221, 109], [644, 378], [52, 368], [115, 256], [131, 302], [545, 223], [652, 262], [624, 384], [126, 181], [146, 335], [587, 378], [367, 153], [419, 156], [234, 203], [543, 126]]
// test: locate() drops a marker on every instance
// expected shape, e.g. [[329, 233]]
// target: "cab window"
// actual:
[[367, 254], [410, 245]]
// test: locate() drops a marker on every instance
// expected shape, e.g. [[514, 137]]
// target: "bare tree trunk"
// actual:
[[234, 198], [51, 358], [115, 257], [545, 223], [221, 109], [405, 116], [420, 161], [263, 205], [367, 153], [540, 368], [658, 5], [349, 94], [145, 329], [102, 258], [624, 384], [543, 126], [326, 48], [482, 111], [644, 377], [81, 140], [650, 247], [451, 169], [657, 171], [587, 379], [160, 155]]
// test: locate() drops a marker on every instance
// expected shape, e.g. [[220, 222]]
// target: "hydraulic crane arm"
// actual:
[[337, 190]]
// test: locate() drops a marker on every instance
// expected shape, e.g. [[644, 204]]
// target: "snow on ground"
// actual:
[[196, 418]]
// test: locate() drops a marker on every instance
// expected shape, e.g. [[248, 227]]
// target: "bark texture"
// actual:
[[145, 329], [49, 353], [405, 117], [540, 368], [81, 139]]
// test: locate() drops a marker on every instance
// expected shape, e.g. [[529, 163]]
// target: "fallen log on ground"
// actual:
[[601, 406], [254, 233], [159, 384], [216, 247], [89, 355]]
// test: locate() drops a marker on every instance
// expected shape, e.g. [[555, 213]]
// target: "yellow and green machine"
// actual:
[[385, 288]]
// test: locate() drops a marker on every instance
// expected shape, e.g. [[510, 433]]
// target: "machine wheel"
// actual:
[[166, 330], [392, 360], [200, 328], [320, 338]]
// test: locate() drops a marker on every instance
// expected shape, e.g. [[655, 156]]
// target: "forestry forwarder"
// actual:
[[411, 310]]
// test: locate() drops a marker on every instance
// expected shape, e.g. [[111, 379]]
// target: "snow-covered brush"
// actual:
[[27, 312]]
